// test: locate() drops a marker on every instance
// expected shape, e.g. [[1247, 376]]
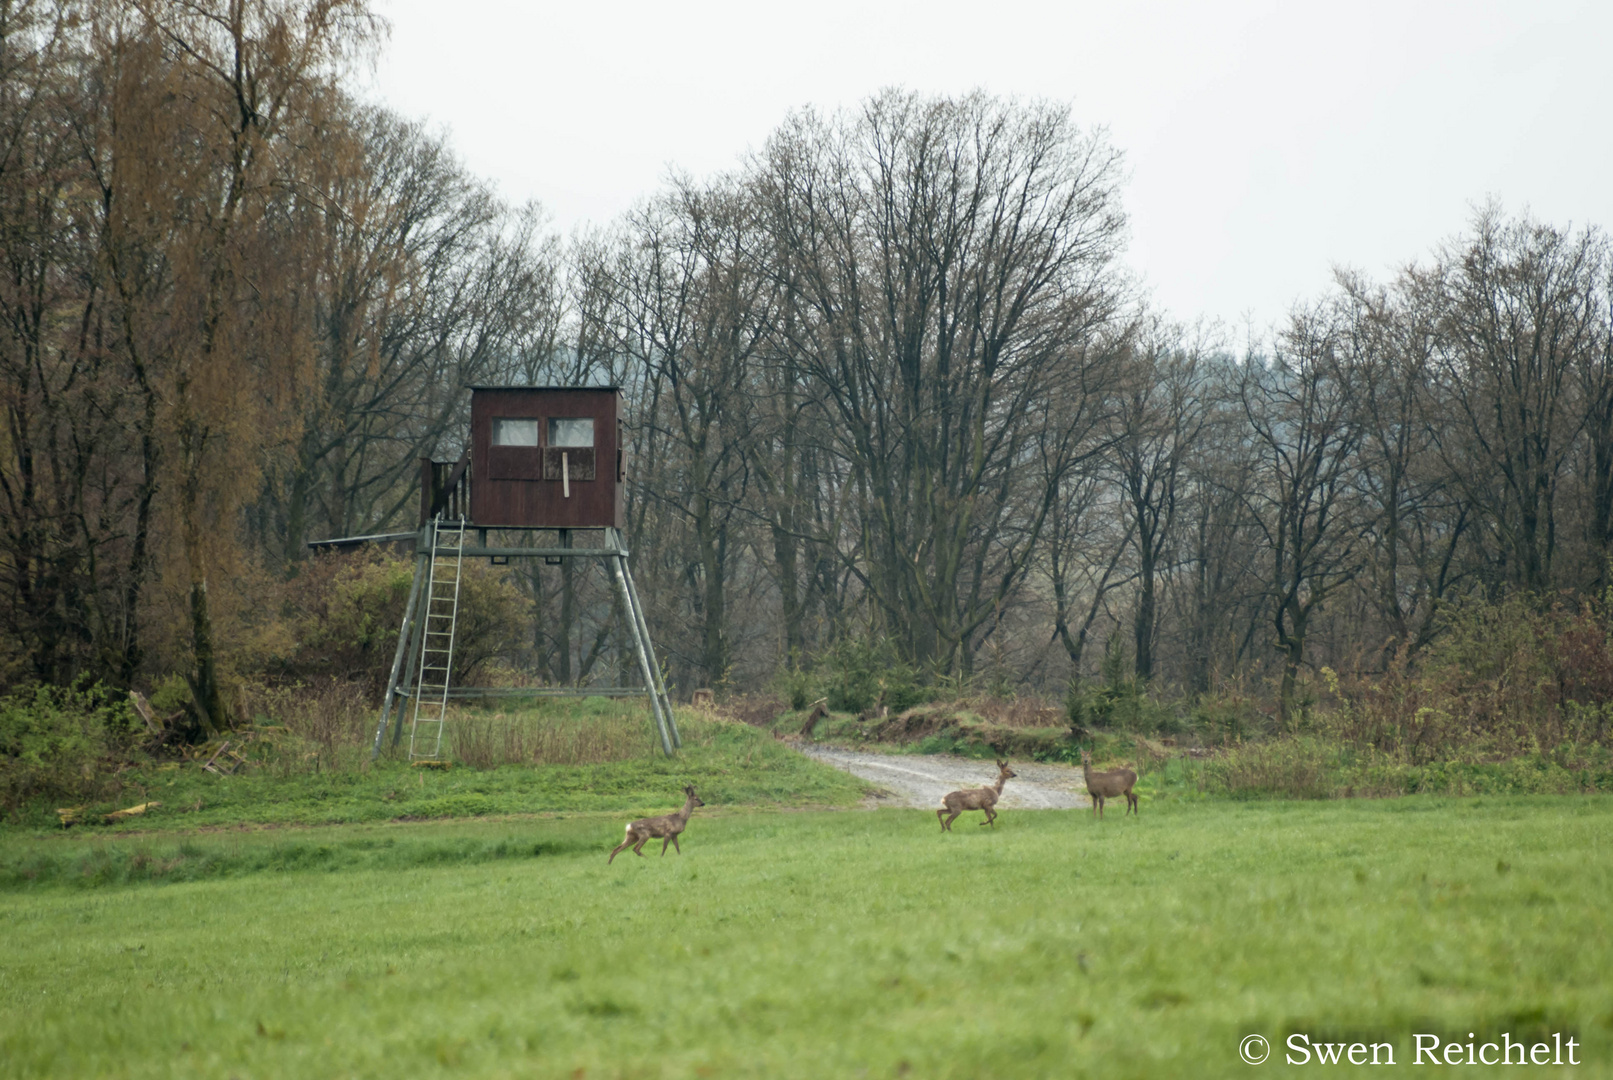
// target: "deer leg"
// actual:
[[991, 817], [675, 845], [947, 824], [1097, 805], [628, 839], [665, 840], [638, 848], [938, 815], [1131, 804]]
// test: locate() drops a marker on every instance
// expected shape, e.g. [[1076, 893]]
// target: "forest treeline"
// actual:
[[890, 385]]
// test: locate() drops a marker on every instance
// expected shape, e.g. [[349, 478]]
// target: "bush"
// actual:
[[1506, 679], [1227, 717], [1125, 706], [795, 686], [850, 675], [901, 688], [345, 612], [55, 742]]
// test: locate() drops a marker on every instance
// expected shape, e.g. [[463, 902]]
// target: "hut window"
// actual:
[[571, 432], [512, 432]]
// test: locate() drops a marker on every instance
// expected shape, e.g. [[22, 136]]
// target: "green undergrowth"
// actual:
[[1305, 767], [825, 945], [87, 860], [729, 763]]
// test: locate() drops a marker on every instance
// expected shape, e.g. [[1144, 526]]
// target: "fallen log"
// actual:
[[134, 811]]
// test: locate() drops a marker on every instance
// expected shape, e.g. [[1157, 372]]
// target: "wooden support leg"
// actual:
[[405, 635]]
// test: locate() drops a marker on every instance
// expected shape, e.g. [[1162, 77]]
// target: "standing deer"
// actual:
[[978, 798], [667, 827], [1106, 785]]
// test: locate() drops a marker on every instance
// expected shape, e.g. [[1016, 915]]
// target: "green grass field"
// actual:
[[820, 944], [731, 764]]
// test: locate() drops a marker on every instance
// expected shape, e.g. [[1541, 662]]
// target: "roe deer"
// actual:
[[666, 827], [977, 798], [1106, 785]]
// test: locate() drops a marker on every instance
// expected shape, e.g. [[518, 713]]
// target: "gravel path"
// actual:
[[921, 780]]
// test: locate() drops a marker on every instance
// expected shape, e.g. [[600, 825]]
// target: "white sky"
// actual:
[[1265, 142]]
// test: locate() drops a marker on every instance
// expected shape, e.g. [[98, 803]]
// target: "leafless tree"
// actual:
[[1517, 309], [954, 266], [1162, 416], [1302, 414]]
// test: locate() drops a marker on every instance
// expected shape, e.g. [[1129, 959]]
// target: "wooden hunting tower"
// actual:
[[541, 458], [547, 457]]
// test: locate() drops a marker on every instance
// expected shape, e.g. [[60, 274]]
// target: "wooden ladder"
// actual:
[[437, 639]]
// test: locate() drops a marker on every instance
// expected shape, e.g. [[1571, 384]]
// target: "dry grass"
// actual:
[[594, 733], [330, 724], [1022, 712]]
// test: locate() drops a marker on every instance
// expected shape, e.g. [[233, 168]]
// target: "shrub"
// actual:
[[901, 688], [1125, 706], [850, 675], [1226, 717], [346, 610], [55, 742], [796, 687], [1506, 679]]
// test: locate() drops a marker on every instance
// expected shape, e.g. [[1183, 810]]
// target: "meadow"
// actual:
[[810, 944], [303, 782]]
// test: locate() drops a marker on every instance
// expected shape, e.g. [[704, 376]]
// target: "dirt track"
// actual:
[[920, 780]]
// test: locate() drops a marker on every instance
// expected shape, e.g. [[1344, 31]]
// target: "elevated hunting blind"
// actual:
[[547, 457], [540, 458]]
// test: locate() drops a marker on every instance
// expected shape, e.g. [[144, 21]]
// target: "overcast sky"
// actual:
[[1265, 142]]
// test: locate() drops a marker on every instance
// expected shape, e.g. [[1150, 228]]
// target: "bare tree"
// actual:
[[1420, 519], [1517, 309], [426, 284], [691, 312], [953, 261], [1161, 417], [1302, 414]]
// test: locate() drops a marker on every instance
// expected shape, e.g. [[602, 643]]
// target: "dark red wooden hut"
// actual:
[[546, 457]]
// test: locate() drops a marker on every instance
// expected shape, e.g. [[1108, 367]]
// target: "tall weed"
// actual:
[[594, 733], [1291, 768]]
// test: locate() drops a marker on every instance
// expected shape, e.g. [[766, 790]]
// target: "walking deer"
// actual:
[[666, 827], [1106, 785], [979, 798]]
